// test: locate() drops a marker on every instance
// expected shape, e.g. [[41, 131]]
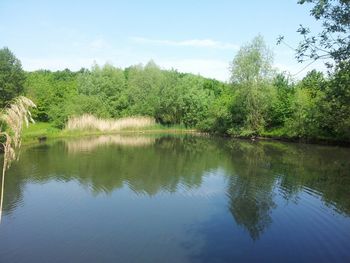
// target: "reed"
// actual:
[[90, 122], [12, 119]]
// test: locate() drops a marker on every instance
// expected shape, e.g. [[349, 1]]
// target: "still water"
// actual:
[[176, 199]]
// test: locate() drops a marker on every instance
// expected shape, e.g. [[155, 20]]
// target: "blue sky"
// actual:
[[191, 36]]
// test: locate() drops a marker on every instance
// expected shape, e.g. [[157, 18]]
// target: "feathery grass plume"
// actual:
[[90, 122], [11, 124]]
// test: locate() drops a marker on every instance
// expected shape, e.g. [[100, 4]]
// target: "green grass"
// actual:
[[39, 130], [45, 130]]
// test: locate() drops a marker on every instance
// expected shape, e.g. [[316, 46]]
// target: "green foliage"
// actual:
[[305, 119], [257, 102], [335, 107], [321, 107], [195, 100], [11, 76], [104, 84], [219, 118], [52, 92], [251, 73], [169, 96], [170, 108], [281, 99], [303, 122], [144, 84], [186, 99], [253, 62]]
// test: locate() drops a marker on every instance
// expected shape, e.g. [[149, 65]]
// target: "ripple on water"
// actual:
[[149, 201], [307, 224]]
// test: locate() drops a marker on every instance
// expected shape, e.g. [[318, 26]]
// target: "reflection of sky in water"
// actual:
[[212, 185], [156, 227], [167, 226], [165, 202]]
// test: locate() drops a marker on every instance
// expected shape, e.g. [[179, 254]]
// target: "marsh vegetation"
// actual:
[[90, 122]]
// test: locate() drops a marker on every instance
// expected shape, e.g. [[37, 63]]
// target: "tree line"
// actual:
[[109, 92], [257, 101]]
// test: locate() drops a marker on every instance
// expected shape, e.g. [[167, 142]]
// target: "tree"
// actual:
[[219, 119], [170, 108], [144, 84], [52, 92], [11, 76], [280, 103], [252, 64], [107, 83], [336, 105], [321, 104], [333, 42], [306, 118], [251, 72], [195, 100]]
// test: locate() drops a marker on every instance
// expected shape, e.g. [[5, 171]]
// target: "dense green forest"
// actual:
[[168, 96], [257, 101]]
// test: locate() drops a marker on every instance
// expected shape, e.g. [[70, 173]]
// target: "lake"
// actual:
[[176, 198]]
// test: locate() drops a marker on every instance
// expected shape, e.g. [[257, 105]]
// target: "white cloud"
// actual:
[[203, 43]]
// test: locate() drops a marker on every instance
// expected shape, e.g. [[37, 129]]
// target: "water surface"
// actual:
[[176, 199]]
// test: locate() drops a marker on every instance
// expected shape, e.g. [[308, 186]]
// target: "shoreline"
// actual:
[[313, 141], [47, 133], [41, 135]]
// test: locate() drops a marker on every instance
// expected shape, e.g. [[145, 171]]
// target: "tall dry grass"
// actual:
[[12, 119], [90, 122]]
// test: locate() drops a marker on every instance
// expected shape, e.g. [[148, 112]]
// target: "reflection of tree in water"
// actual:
[[13, 193], [147, 165], [250, 191], [323, 169], [166, 164], [250, 206]]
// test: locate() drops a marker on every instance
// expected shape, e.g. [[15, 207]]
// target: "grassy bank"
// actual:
[[44, 130]]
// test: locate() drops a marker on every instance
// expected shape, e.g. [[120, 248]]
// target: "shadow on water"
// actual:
[[258, 176]]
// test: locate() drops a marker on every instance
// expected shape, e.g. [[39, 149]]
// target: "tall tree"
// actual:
[[12, 76], [252, 62], [251, 72]]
